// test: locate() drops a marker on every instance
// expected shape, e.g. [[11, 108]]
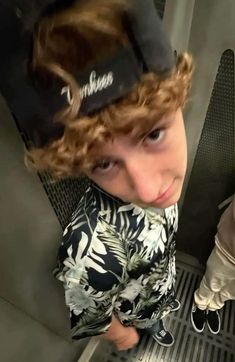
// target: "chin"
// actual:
[[167, 204]]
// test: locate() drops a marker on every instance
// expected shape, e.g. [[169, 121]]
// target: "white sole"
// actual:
[[162, 344], [194, 327], [175, 310], [213, 332]]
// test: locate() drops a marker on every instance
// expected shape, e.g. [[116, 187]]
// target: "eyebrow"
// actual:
[[135, 139], [140, 135]]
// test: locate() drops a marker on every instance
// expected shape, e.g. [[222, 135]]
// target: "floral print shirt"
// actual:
[[117, 258]]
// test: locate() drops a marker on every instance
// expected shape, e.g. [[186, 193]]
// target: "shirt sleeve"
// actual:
[[90, 281]]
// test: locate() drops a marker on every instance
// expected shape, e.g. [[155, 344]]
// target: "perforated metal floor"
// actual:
[[189, 346]]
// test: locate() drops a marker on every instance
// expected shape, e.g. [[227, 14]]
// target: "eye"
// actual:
[[104, 166], [155, 135]]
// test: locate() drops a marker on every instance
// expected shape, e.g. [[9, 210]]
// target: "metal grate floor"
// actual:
[[189, 345]]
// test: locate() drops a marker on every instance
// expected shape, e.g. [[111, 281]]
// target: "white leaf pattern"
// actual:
[[82, 245], [116, 241], [91, 264]]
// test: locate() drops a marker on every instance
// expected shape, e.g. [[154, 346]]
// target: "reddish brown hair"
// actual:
[[70, 40]]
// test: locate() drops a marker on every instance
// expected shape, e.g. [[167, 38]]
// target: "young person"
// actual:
[[124, 129], [218, 282]]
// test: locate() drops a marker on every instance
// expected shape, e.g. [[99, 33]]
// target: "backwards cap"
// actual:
[[101, 84]]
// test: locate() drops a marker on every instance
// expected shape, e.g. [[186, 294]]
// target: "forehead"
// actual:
[[117, 144], [127, 139], [121, 143]]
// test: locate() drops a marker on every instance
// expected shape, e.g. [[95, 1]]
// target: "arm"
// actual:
[[91, 307]]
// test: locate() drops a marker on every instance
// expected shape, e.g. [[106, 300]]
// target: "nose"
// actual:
[[144, 180]]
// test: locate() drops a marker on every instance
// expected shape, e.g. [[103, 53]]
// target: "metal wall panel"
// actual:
[[212, 179], [206, 29], [25, 340], [29, 238]]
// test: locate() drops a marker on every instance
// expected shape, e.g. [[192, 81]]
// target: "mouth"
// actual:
[[166, 194]]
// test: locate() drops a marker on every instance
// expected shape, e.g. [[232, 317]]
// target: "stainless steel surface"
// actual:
[[33, 314], [22, 339], [212, 178], [210, 34], [177, 22]]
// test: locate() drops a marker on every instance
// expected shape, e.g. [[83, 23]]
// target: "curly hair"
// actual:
[[95, 29]]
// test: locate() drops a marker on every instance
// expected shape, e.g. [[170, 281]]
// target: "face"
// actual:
[[148, 171]]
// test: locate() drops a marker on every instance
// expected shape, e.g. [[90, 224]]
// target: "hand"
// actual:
[[128, 339], [123, 337]]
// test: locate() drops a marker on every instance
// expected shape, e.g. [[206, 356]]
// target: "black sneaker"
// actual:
[[198, 318], [175, 305], [161, 336], [213, 321]]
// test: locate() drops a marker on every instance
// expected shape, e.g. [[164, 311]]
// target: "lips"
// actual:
[[159, 201], [166, 194]]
